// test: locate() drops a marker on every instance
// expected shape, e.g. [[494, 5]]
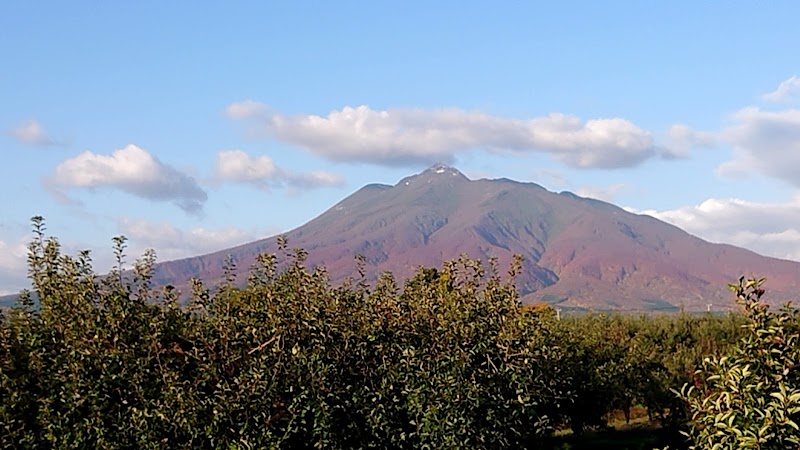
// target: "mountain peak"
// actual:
[[440, 168], [578, 253], [437, 173]]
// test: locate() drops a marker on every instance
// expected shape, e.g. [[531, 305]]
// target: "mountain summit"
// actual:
[[437, 173], [579, 253], [444, 169]]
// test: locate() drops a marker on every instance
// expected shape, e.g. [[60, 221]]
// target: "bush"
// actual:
[[285, 360], [750, 398], [451, 360]]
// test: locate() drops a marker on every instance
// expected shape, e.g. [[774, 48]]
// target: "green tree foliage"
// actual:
[[750, 398], [615, 362], [450, 359]]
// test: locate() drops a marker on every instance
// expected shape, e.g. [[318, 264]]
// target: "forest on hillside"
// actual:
[[450, 359]]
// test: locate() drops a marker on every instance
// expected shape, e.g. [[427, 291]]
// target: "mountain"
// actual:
[[579, 253]]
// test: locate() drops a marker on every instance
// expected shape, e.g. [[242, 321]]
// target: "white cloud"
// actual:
[[236, 165], [261, 171], [764, 142], [132, 170], [411, 136], [11, 254], [246, 109], [171, 242], [682, 139], [787, 91], [772, 229], [605, 193], [313, 179], [13, 265], [32, 133]]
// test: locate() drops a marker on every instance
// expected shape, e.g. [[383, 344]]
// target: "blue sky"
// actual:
[[194, 126]]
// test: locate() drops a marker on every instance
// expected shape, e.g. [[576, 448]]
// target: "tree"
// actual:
[[750, 398]]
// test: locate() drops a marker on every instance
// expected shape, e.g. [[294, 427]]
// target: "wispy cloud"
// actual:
[[412, 136], [682, 140], [13, 265], [312, 180], [787, 91], [32, 133], [132, 170], [246, 109], [766, 143], [171, 242], [605, 193], [239, 167]]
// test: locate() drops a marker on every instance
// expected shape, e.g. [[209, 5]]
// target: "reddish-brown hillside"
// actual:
[[579, 252]]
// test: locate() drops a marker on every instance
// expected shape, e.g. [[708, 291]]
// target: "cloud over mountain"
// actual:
[[132, 170], [404, 136], [769, 228], [239, 167], [606, 193], [171, 242]]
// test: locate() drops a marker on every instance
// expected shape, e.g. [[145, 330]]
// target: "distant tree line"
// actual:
[[451, 359]]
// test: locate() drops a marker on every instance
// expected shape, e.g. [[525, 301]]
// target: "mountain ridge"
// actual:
[[579, 253]]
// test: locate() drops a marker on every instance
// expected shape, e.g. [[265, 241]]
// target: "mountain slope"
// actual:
[[579, 253]]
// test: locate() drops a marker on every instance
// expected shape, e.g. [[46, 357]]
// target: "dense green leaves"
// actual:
[[448, 360], [750, 397]]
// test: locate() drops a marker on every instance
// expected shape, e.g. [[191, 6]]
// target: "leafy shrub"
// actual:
[[749, 398], [450, 359]]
